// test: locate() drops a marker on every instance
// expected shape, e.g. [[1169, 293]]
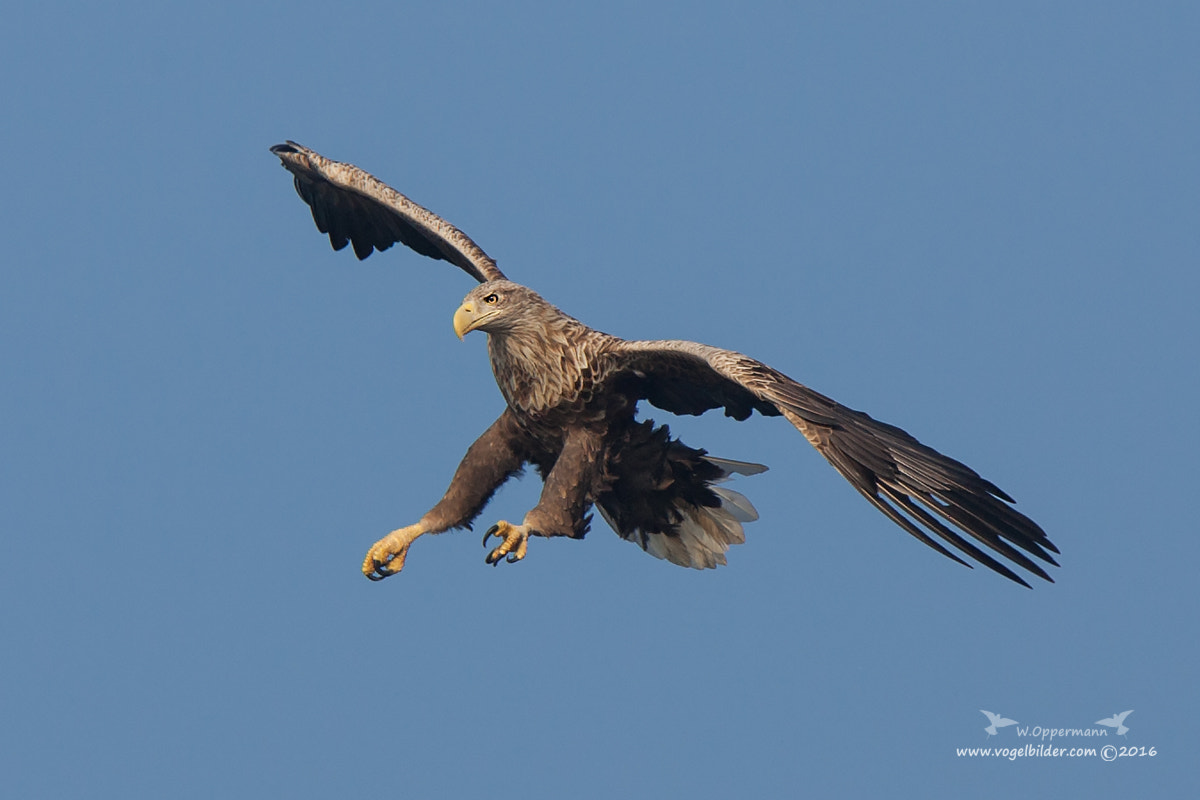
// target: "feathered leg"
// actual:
[[495, 456], [570, 488]]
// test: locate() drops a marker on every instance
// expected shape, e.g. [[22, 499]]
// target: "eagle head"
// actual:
[[497, 307]]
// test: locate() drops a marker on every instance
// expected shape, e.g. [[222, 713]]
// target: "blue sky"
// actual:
[[978, 223]]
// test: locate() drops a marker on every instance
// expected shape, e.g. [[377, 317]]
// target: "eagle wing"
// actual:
[[918, 488], [354, 207]]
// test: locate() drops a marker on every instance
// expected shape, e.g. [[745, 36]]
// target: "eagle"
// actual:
[[571, 397]]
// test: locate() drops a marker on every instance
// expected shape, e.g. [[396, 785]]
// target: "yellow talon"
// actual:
[[516, 541], [386, 557]]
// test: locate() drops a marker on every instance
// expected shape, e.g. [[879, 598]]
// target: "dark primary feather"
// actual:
[[354, 207]]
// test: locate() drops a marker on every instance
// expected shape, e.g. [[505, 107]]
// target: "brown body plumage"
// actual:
[[571, 396]]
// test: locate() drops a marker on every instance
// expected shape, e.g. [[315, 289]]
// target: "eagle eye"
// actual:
[[491, 299]]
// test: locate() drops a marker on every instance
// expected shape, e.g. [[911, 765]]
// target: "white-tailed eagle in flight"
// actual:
[[571, 395]]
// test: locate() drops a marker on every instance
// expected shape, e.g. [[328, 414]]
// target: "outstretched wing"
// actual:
[[354, 207], [917, 487]]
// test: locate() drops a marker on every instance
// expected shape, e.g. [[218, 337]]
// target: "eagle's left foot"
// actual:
[[386, 557], [516, 539]]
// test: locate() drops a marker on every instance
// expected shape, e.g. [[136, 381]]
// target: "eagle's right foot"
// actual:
[[386, 557], [516, 540]]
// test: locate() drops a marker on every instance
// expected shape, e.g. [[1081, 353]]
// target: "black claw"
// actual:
[[512, 558], [492, 531], [381, 571]]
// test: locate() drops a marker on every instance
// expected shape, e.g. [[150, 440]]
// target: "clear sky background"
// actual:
[[978, 222]]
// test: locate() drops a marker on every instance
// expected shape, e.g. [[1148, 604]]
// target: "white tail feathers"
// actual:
[[704, 534], [736, 504]]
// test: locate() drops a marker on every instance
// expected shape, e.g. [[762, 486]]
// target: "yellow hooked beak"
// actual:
[[464, 319]]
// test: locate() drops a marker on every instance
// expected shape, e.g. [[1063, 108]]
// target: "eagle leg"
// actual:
[[386, 557], [516, 540]]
